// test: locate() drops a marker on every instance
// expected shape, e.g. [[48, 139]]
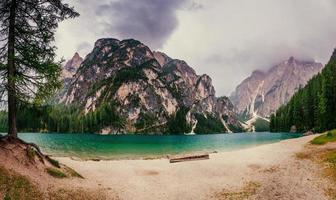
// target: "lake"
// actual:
[[89, 146]]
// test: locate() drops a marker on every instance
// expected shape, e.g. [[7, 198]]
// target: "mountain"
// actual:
[[312, 108], [147, 92], [71, 66], [67, 74], [262, 93]]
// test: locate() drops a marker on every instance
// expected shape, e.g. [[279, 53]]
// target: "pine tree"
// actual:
[[27, 29]]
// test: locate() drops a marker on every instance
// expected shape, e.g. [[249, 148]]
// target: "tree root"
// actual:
[[11, 150], [9, 139], [7, 149]]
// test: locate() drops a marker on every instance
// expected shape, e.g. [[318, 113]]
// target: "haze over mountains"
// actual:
[[264, 92], [149, 90]]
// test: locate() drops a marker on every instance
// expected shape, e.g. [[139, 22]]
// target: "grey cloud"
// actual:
[[228, 70], [150, 21], [83, 48], [223, 38], [195, 6], [243, 36]]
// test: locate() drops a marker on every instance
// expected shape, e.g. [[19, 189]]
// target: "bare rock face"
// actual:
[[264, 92], [162, 58], [147, 89], [70, 68], [67, 74]]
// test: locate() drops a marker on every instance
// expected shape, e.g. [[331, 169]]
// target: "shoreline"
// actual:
[[167, 156], [268, 167], [82, 155]]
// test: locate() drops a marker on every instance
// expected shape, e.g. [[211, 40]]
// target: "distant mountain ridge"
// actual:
[[262, 93], [67, 74], [149, 91], [312, 108], [71, 66]]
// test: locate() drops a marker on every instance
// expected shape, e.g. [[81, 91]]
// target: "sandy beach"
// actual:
[[269, 171]]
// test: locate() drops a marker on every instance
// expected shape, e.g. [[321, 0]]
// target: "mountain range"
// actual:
[[262, 93], [148, 90], [312, 108], [154, 93]]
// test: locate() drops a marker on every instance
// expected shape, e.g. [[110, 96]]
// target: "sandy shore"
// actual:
[[264, 172]]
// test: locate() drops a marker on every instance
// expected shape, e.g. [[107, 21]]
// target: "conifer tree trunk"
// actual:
[[12, 131]]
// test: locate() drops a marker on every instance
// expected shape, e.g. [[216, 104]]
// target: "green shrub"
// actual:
[[329, 134], [31, 153], [54, 162], [55, 173], [325, 138], [331, 158], [73, 173]]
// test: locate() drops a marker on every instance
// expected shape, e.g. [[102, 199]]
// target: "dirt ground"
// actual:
[[272, 171]]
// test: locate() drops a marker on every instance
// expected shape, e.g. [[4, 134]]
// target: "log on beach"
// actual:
[[189, 158]]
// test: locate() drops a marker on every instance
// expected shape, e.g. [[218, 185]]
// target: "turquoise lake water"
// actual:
[[89, 146]]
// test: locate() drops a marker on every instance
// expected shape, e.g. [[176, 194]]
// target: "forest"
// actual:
[[62, 118], [312, 108]]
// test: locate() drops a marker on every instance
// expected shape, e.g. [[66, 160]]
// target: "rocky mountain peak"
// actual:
[[106, 42], [148, 89], [264, 92], [71, 66], [112, 55], [76, 56], [291, 60], [162, 58], [67, 75], [181, 66], [258, 74]]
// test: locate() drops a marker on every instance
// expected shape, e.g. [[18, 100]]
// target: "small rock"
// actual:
[[308, 133], [293, 129]]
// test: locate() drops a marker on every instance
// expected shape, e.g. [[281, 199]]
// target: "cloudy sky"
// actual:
[[226, 39]]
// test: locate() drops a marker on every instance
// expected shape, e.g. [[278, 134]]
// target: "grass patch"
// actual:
[[303, 156], [330, 136], [31, 153], [80, 194], [54, 162], [16, 187], [330, 159], [73, 173], [63, 173], [55, 173], [249, 189], [325, 157]]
